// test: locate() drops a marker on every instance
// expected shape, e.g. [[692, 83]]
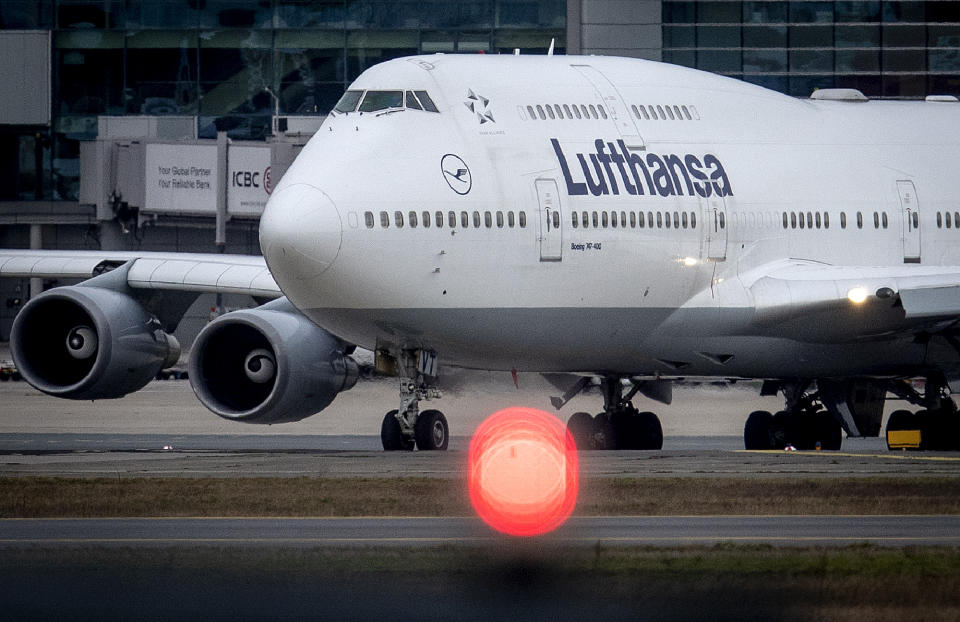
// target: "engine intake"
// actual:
[[85, 343], [268, 365]]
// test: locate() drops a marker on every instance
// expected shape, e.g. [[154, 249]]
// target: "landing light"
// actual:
[[523, 474], [690, 261], [858, 295]]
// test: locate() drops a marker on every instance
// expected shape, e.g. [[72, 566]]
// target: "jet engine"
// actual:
[[268, 365], [86, 342]]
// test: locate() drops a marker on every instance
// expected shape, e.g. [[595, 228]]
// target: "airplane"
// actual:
[[611, 221]]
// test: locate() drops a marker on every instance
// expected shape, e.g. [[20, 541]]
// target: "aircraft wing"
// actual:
[[823, 302], [192, 272]]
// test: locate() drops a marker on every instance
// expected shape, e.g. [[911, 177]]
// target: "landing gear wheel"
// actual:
[[390, 435], [604, 436], [581, 428], [831, 434], [758, 430], [431, 431]]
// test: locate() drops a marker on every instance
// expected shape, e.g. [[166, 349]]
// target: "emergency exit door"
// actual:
[[910, 217]]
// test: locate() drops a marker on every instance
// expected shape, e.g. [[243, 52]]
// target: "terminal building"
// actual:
[[97, 88]]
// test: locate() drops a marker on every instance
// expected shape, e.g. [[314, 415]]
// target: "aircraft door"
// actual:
[[910, 217], [613, 103], [551, 219], [715, 227]]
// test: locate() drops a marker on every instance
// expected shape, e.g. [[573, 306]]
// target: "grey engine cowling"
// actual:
[[268, 365]]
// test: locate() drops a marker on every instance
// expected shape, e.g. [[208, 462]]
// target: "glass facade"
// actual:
[[890, 48], [214, 58]]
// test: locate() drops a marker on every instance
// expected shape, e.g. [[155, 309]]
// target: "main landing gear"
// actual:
[[804, 424], [619, 426], [936, 427], [406, 427]]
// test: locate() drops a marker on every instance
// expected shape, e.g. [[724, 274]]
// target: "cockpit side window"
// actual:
[[411, 101], [381, 100], [349, 101], [425, 100]]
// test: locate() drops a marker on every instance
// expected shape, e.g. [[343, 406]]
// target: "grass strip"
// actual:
[[29, 497]]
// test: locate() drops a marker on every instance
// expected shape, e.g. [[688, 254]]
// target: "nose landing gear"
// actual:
[[406, 427]]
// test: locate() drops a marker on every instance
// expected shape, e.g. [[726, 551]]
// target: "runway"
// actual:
[[413, 532]]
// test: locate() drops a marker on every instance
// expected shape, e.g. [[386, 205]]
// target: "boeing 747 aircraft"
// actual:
[[590, 218]]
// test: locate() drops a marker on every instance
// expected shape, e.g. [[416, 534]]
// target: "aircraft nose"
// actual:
[[300, 232]]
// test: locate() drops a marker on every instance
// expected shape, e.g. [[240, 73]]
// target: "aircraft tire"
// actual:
[[580, 425], [431, 431], [652, 431], [604, 435], [831, 434], [781, 429], [758, 430], [390, 435], [900, 420]]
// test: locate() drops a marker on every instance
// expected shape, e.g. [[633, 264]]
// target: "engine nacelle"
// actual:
[[86, 343], [268, 365]]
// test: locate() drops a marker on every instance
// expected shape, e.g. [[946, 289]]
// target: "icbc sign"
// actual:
[[249, 183]]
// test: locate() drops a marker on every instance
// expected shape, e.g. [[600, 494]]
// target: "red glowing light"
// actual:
[[523, 475]]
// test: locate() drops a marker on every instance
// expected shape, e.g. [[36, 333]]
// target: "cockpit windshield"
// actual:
[[375, 101], [349, 101]]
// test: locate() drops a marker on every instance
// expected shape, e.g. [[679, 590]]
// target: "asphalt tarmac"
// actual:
[[431, 530]]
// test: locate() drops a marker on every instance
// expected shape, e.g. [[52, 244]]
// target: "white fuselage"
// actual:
[[583, 286]]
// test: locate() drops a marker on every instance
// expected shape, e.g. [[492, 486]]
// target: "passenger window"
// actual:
[[670, 113], [723, 221], [784, 220], [686, 113], [487, 220], [640, 222], [596, 220], [817, 219], [476, 219], [666, 220], [660, 112], [956, 220], [883, 218], [586, 113], [540, 112], [368, 219], [523, 220], [916, 220], [940, 220], [413, 220], [411, 101], [653, 113], [843, 220], [603, 113], [809, 220], [556, 220], [452, 219], [511, 221], [425, 219], [859, 220], [593, 112], [398, 219], [381, 100], [604, 219], [500, 220], [558, 110], [676, 109], [802, 222], [464, 220], [826, 220], [613, 219], [385, 220], [876, 220], [693, 111], [659, 220], [349, 101], [685, 220], [573, 219], [650, 219], [676, 220], [586, 219], [425, 101], [550, 112], [693, 220], [530, 111], [576, 112], [633, 220], [636, 113], [439, 219], [566, 109]]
